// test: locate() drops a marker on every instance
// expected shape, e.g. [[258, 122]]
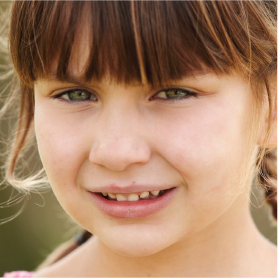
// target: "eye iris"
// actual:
[[78, 95], [175, 93]]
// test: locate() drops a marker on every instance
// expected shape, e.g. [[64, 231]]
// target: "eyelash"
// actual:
[[59, 96], [189, 94]]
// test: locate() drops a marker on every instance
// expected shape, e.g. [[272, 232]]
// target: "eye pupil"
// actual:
[[175, 93], [78, 95]]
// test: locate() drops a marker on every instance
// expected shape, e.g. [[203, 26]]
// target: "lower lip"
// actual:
[[133, 209]]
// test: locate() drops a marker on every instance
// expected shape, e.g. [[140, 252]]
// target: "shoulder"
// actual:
[[18, 274], [69, 266]]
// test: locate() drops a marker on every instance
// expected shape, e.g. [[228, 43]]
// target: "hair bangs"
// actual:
[[143, 41]]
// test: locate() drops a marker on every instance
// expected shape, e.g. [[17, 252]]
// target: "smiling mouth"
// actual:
[[145, 195], [133, 205]]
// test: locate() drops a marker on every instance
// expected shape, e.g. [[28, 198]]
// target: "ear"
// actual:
[[272, 142]]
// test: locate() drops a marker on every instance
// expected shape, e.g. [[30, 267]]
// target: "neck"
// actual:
[[217, 250]]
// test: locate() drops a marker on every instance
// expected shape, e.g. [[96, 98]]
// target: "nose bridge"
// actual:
[[119, 141], [119, 121]]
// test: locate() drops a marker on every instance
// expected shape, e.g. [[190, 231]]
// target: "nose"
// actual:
[[118, 143]]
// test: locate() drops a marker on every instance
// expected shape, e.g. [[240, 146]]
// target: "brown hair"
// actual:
[[148, 42]]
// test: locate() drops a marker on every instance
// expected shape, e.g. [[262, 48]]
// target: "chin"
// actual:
[[136, 244], [136, 249]]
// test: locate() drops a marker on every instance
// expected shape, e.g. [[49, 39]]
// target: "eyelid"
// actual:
[[190, 91], [61, 92], [178, 88]]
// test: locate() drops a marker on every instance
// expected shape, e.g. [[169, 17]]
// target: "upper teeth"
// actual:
[[132, 196], [111, 195]]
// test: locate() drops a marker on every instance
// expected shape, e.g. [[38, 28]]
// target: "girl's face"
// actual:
[[113, 135]]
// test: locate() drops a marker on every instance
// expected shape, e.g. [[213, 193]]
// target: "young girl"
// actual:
[[152, 118]]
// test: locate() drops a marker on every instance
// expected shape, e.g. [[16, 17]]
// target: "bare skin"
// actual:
[[207, 229], [239, 250]]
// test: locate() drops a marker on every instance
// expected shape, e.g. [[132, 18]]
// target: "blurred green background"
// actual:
[[43, 225]]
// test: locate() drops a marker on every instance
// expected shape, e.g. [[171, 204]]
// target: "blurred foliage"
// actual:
[[28, 239], [42, 225]]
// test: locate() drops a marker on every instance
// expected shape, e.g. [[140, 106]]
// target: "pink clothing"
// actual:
[[18, 274]]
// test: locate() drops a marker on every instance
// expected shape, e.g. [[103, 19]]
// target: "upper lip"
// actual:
[[128, 189]]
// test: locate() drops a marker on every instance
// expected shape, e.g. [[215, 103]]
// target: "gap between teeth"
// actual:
[[131, 197]]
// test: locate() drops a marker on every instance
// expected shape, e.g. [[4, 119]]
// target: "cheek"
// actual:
[[205, 144], [61, 144], [63, 149]]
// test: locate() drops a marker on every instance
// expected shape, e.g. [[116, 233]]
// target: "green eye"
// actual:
[[78, 95], [172, 93]]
